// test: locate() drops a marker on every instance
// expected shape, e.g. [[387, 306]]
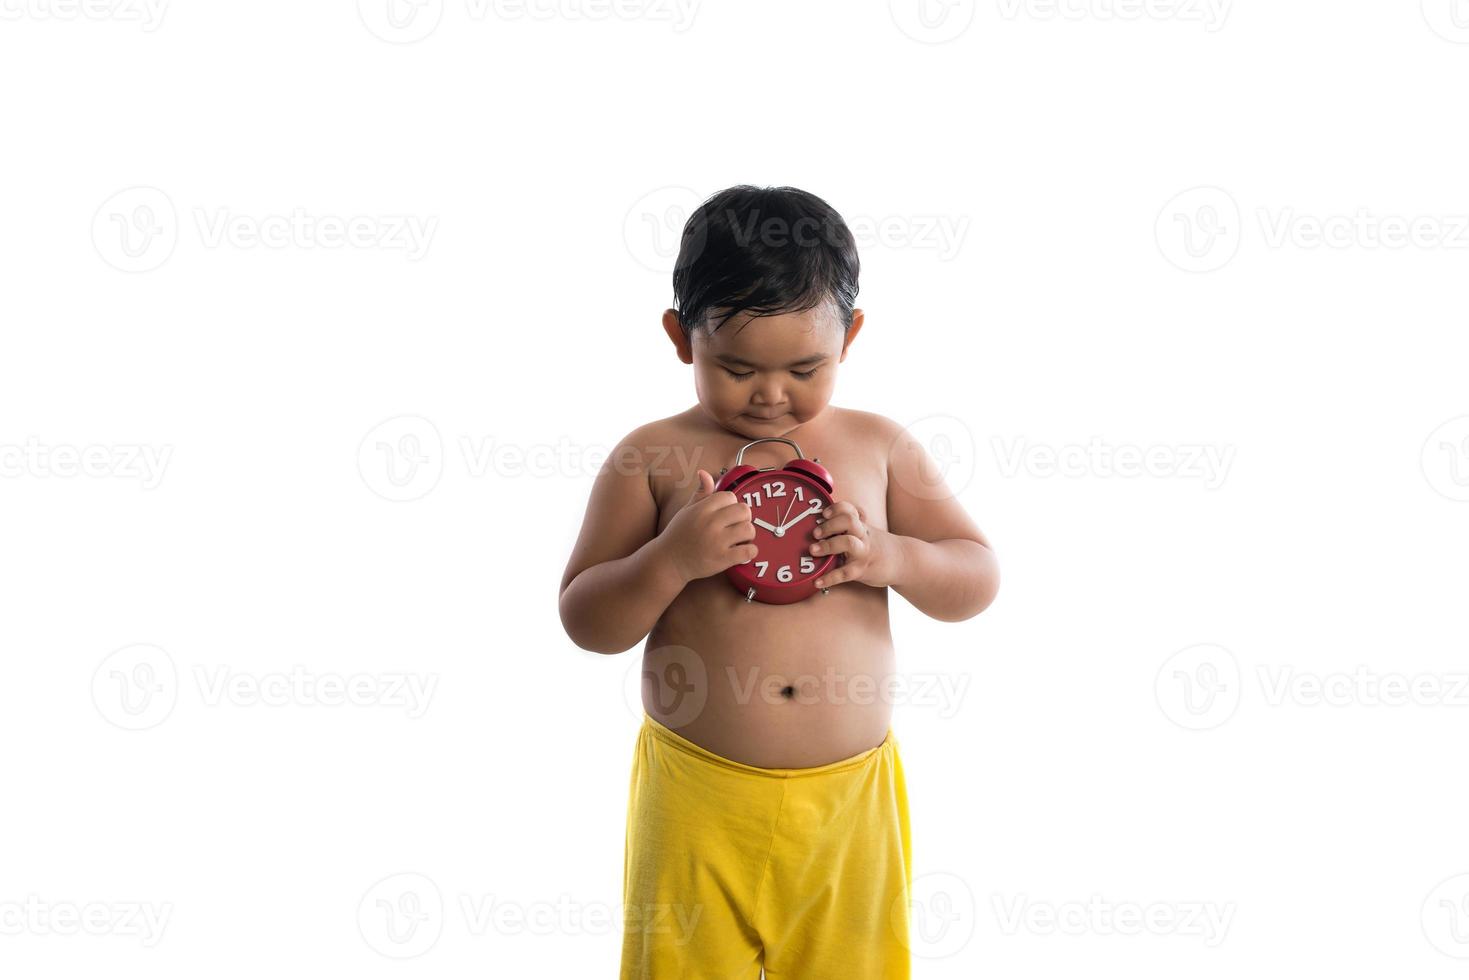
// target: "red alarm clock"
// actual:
[[785, 503]]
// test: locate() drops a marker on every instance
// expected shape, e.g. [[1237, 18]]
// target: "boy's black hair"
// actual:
[[763, 250]]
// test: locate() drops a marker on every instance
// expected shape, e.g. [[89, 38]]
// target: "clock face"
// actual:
[[785, 507]]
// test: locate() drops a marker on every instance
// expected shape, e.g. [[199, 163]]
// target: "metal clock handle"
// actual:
[[739, 457]]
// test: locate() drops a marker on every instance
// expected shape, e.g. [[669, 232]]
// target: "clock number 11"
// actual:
[[754, 499]]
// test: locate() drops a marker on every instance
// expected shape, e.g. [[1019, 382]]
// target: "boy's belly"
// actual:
[[781, 687]]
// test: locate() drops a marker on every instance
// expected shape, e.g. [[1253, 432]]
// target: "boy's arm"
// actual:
[[618, 580], [942, 563]]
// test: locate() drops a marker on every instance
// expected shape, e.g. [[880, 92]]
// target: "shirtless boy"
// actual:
[[767, 817]]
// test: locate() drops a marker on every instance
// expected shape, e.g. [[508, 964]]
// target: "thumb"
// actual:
[[704, 488]]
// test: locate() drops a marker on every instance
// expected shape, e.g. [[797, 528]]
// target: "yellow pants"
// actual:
[[730, 867]]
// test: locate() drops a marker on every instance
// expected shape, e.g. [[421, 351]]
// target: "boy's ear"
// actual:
[[674, 329], [851, 334]]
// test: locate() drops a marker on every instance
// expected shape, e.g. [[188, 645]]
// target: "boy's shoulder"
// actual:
[[691, 428], [879, 429], [665, 452], [646, 443], [670, 450]]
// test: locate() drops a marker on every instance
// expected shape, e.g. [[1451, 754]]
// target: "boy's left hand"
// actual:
[[871, 552]]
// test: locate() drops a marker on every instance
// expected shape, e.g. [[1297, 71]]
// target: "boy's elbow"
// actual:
[[966, 611], [592, 647], [569, 622], [987, 585], [587, 642], [985, 600], [578, 633]]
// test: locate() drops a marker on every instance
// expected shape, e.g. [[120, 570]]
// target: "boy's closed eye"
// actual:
[[803, 375]]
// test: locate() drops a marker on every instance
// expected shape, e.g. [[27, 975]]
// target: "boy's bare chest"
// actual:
[[858, 470]]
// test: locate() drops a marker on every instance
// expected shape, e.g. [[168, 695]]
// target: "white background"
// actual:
[[1135, 727]]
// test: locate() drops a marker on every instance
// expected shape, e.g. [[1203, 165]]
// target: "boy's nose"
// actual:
[[769, 394]]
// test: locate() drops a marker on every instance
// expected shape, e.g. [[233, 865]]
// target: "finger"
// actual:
[[737, 534], [734, 512], [845, 517], [840, 507], [841, 524], [703, 487], [846, 544], [835, 577]]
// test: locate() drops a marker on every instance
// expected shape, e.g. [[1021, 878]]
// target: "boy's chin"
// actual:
[[756, 427], [753, 427]]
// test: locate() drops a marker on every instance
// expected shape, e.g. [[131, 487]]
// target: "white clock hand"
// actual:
[[815, 506], [781, 530]]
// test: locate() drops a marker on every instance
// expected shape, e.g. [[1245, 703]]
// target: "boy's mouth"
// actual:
[[763, 418]]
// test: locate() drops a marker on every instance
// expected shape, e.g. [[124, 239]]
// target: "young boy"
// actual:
[[767, 821]]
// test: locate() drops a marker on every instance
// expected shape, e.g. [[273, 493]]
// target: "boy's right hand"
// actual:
[[711, 532]]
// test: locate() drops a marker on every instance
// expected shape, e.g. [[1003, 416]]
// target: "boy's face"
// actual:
[[765, 375]]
